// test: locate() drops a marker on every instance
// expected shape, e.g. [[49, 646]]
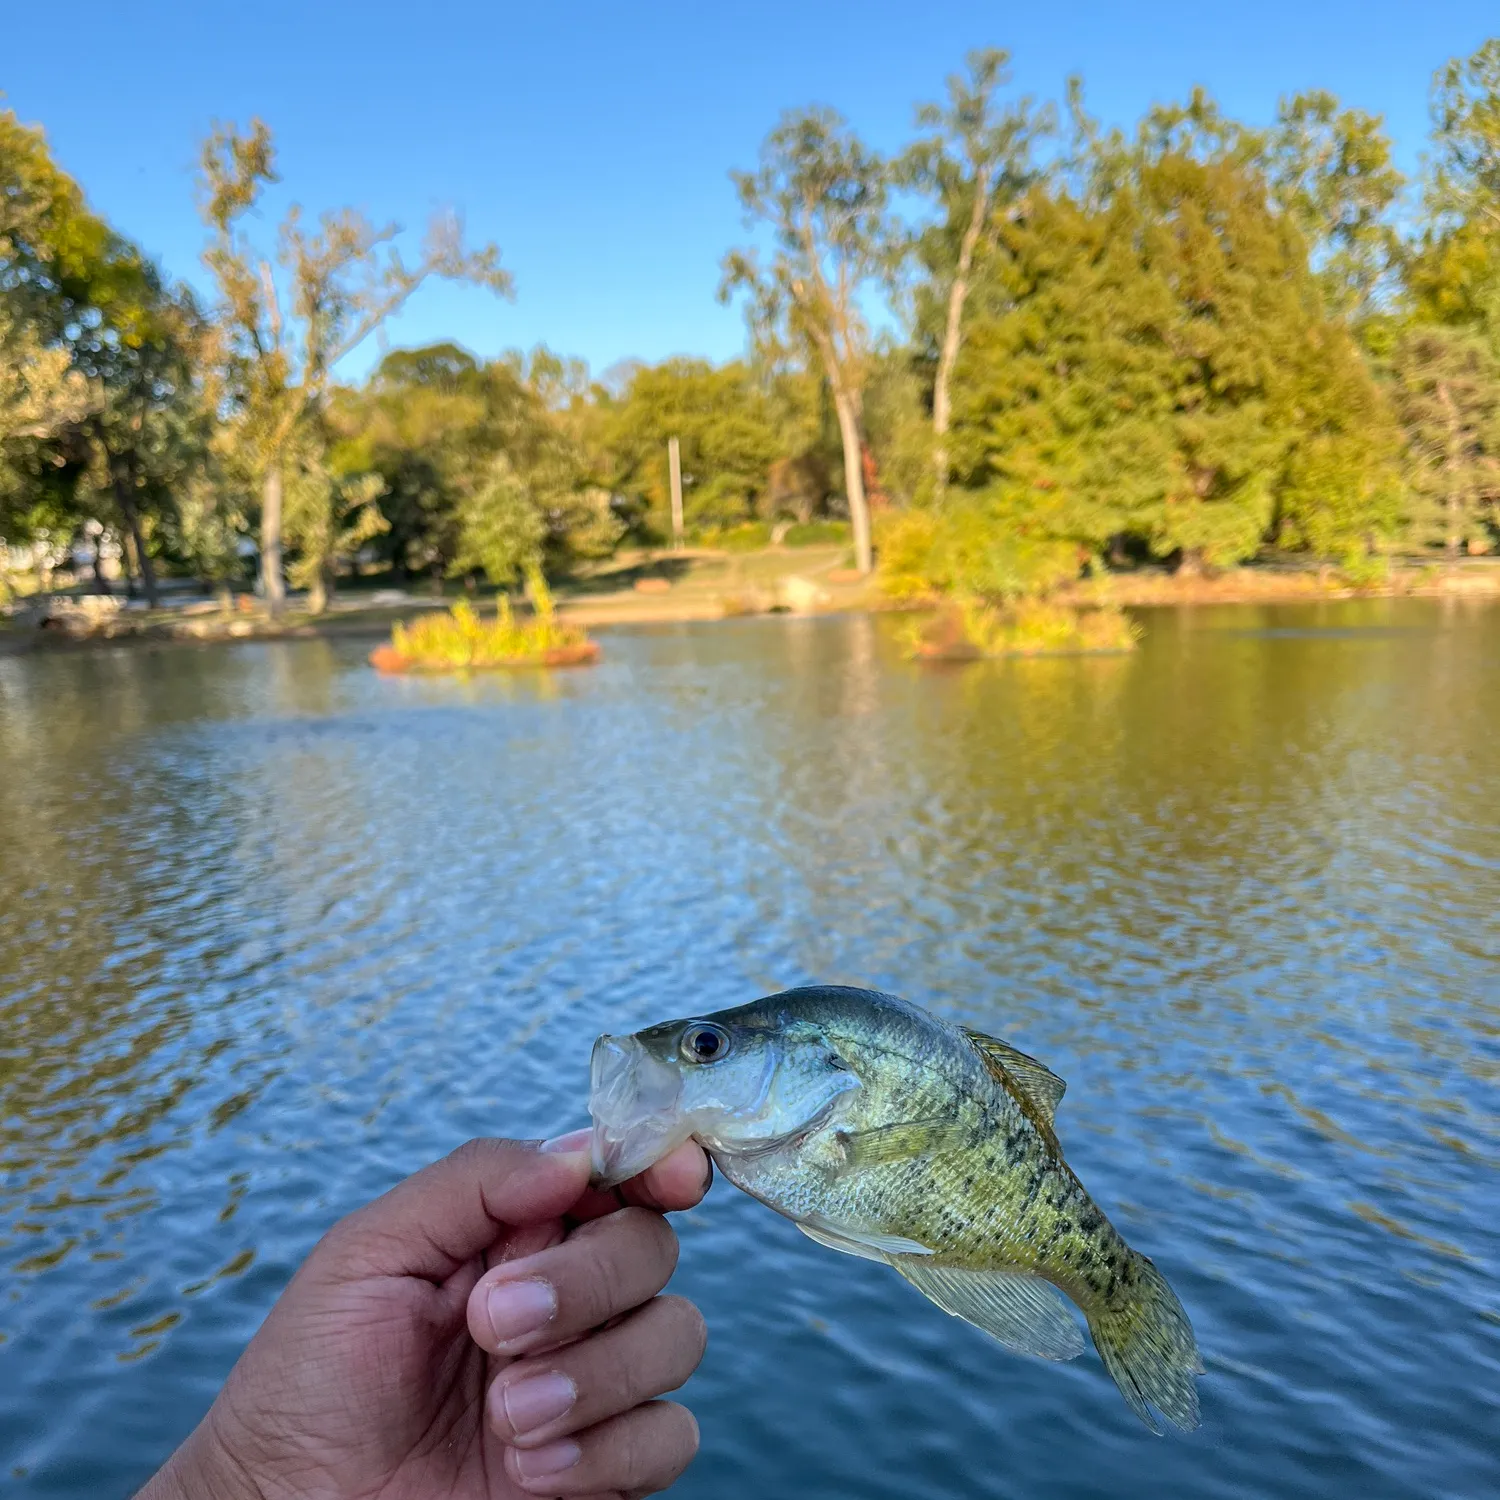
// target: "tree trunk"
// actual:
[[272, 586], [127, 563], [854, 479], [318, 592], [101, 583], [131, 518], [1453, 462], [953, 336]]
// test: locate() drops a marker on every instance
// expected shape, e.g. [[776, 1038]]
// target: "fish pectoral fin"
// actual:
[[904, 1141], [848, 1241], [1022, 1311], [1037, 1081]]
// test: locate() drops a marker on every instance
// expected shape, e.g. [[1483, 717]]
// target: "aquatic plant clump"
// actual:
[[461, 640], [972, 629]]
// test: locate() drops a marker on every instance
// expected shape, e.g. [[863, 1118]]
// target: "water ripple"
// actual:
[[275, 931]]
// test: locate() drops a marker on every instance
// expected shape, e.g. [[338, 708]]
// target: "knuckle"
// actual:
[[479, 1153]]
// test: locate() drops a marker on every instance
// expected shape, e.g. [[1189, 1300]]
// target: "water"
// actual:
[[274, 931]]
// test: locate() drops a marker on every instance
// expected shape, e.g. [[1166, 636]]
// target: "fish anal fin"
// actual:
[[1041, 1086], [881, 1247], [1021, 1311], [905, 1140]]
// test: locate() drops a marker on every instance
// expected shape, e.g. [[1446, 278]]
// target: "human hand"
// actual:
[[487, 1330]]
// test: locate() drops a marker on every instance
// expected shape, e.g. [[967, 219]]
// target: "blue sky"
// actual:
[[593, 141]]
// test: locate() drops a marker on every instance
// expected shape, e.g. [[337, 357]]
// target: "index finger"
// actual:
[[678, 1181]]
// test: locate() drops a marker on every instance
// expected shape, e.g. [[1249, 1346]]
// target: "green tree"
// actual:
[[286, 324], [1154, 360], [424, 424], [722, 419], [1446, 384], [1331, 169], [822, 194], [1454, 277], [976, 163], [98, 402]]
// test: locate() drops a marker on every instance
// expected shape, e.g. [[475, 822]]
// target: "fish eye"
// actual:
[[704, 1042]]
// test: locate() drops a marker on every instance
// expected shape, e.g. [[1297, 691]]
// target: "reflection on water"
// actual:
[[274, 931]]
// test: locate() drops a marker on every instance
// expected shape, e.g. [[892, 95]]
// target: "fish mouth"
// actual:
[[635, 1101]]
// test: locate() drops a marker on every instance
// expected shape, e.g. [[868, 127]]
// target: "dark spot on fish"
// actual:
[[1064, 1226], [968, 1182]]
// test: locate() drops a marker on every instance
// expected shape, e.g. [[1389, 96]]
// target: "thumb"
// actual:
[[446, 1214]]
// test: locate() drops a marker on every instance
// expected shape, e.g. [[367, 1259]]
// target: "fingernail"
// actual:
[[533, 1403], [541, 1463], [576, 1140], [517, 1308]]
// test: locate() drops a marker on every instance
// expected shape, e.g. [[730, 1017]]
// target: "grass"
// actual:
[[816, 534], [971, 629], [461, 640]]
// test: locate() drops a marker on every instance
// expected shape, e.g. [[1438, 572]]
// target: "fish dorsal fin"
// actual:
[[1041, 1086], [1023, 1312], [881, 1247]]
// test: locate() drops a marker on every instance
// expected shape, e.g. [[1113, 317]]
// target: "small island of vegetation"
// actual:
[[461, 640]]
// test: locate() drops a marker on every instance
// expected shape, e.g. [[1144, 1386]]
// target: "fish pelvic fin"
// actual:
[[1042, 1088], [1023, 1312], [1147, 1345], [866, 1245]]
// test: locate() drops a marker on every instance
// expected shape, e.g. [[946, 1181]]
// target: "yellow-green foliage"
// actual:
[[973, 628], [462, 638], [968, 549]]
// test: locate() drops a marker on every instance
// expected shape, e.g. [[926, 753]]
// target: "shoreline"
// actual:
[[353, 619]]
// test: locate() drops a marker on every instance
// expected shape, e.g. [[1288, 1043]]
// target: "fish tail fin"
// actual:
[[1147, 1345]]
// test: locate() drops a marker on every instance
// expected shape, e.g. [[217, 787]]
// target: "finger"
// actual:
[[641, 1452], [604, 1268], [552, 1395], [454, 1210], [679, 1180]]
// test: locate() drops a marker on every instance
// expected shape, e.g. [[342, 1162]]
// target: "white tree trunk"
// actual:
[[272, 586], [854, 480], [953, 335]]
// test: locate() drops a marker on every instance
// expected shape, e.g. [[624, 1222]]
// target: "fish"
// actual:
[[885, 1132]]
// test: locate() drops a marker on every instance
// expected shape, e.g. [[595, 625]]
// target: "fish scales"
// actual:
[[887, 1133]]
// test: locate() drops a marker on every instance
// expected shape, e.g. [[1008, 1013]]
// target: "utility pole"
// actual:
[[674, 463]]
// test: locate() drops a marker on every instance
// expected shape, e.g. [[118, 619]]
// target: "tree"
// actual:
[[722, 420], [501, 528], [98, 409], [1331, 169], [1446, 384], [1153, 361], [283, 337], [1454, 277], [823, 195], [976, 164], [423, 424]]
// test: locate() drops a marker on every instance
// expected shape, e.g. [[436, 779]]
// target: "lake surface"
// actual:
[[275, 931]]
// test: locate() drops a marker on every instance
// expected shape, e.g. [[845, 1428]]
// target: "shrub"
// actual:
[[460, 639], [967, 551], [1365, 570]]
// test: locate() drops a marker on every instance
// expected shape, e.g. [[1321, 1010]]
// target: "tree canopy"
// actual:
[[1024, 345]]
